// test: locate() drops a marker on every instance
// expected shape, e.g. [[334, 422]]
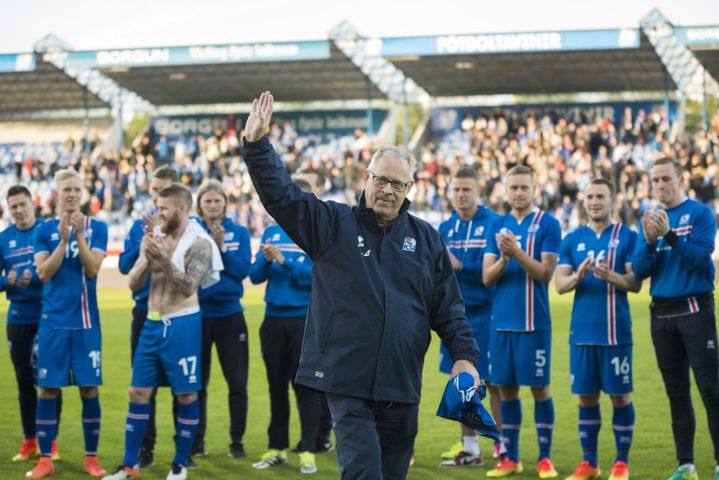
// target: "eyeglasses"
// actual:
[[381, 182]]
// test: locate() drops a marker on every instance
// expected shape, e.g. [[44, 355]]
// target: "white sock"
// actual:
[[470, 445], [688, 467]]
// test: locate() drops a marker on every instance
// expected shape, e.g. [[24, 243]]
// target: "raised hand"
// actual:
[[259, 120], [25, 278], [12, 276]]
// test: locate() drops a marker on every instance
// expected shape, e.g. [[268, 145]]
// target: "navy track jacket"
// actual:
[[375, 293]]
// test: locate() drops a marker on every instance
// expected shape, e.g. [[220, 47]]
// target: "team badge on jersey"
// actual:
[[613, 243], [409, 244], [581, 247], [684, 219]]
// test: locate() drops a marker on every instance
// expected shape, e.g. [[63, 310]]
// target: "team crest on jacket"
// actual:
[[684, 219], [479, 231], [12, 244], [409, 244]]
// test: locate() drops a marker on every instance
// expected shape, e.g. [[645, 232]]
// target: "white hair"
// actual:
[[394, 152]]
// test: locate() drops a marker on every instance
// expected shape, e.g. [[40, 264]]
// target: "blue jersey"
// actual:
[[223, 298], [600, 313], [17, 251], [685, 269], [129, 256], [467, 241], [69, 297], [288, 285], [522, 303]]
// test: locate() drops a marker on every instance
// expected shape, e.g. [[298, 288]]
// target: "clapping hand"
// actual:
[[584, 268], [218, 235], [650, 231], [64, 228], [25, 279], [507, 243], [77, 219], [660, 220], [259, 120], [601, 270], [12, 276]]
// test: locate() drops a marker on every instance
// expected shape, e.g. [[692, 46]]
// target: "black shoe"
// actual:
[[191, 465], [297, 448], [237, 450], [324, 446], [146, 458], [198, 450]]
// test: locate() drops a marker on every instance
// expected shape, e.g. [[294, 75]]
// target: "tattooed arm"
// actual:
[[198, 260]]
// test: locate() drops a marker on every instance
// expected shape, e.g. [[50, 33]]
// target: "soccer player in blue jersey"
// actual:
[[465, 234], [595, 262], [161, 177], [223, 320], [520, 258], [288, 272], [674, 249], [178, 256], [69, 250], [24, 291]]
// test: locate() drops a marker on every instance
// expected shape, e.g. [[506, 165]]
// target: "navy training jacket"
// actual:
[[375, 293]]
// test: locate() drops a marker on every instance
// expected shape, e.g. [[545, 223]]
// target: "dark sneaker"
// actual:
[[146, 458], [198, 450], [191, 465], [237, 450], [324, 446]]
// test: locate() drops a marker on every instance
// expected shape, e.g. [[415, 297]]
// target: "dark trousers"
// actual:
[[21, 341], [323, 436], [374, 439], [281, 341], [229, 334], [680, 342]]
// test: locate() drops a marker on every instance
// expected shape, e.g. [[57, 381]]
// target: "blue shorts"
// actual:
[[168, 354], [69, 357], [596, 368], [478, 319], [520, 358]]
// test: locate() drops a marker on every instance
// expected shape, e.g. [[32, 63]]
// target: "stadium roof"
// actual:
[[704, 43], [294, 72], [29, 83], [530, 63]]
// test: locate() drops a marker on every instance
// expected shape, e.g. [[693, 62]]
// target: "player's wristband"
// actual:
[[671, 238]]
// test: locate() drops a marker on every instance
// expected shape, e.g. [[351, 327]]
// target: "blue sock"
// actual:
[[511, 423], [623, 426], [46, 421], [590, 422], [188, 417], [138, 418], [544, 421], [91, 423]]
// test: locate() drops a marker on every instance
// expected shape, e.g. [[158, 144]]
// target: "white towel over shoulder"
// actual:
[[191, 233]]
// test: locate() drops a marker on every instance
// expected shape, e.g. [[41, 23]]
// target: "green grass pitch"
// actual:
[[652, 455]]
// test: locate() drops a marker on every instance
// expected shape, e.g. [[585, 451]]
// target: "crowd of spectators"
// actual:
[[565, 154]]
